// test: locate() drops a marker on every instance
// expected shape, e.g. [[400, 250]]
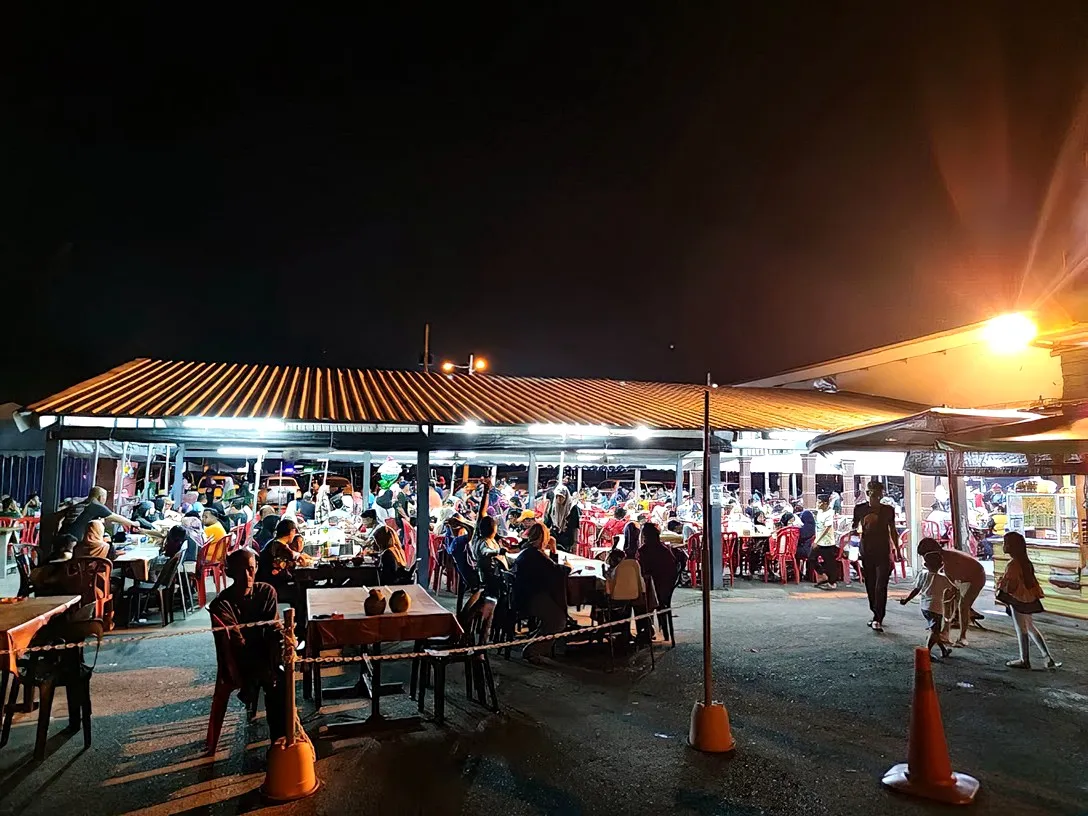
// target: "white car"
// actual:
[[281, 489]]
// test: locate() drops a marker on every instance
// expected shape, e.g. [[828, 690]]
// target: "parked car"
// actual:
[[280, 489]]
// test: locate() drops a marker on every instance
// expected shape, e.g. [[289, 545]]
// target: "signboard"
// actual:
[[716, 492]]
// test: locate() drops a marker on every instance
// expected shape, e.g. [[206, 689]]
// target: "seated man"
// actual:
[[658, 566], [540, 588], [613, 527], [968, 576], [258, 650]]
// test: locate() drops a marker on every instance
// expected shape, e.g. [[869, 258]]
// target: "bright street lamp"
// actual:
[[474, 364]]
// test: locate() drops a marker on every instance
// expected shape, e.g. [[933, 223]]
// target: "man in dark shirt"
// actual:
[[90, 510], [207, 486], [257, 651], [540, 588], [877, 524]]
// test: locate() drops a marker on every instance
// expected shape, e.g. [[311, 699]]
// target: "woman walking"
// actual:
[[1019, 590]]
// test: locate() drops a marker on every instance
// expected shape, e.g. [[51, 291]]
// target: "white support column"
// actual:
[[638, 483], [579, 478], [532, 478], [366, 481], [912, 509], [679, 490], [179, 475], [808, 479]]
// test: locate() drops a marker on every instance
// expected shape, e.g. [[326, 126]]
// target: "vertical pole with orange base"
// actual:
[[291, 772], [709, 729]]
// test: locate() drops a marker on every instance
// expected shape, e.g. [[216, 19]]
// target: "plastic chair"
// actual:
[[730, 554], [931, 529], [163, 589], [209, 561], [475, 619], [844, 557], [410, 544], [782, 550], [90, 577], [628, 587], [695, 558], [227, 680], [587, 538], [899, 556], [28, 530], [62, 667]]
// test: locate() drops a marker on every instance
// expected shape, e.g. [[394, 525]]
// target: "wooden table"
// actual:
[[19, 622], [135, 561], [424, 619], [585, 579], [339, 574]]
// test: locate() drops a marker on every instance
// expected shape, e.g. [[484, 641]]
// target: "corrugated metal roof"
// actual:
[[163, 388]]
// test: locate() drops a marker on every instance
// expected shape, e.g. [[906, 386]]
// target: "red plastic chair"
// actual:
[[695, 558], [210, 561], [931, 529], [844, 558], [28, 532], [410, 544], [782, 549], [442, 565], [587, 538], [899, 555], [730, 554]]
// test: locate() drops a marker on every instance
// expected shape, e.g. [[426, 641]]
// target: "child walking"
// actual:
[[1019, 590], [934, 588]]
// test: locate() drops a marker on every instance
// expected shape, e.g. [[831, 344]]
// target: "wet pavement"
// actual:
[[818, 702]]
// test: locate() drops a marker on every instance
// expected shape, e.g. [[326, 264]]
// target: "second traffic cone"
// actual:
[[928, 771]]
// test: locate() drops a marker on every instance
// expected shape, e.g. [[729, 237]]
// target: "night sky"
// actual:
[[589, 189]]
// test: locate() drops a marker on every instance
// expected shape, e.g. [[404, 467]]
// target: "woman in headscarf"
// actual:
[[322, 505], [562, 519], [266, 528], [94, 544]]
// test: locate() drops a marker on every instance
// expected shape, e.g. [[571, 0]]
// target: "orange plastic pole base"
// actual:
[[291, 773], [710, 729], [960, 789]]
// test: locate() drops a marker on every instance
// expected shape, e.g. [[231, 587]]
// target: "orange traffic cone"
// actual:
[[928, 771]]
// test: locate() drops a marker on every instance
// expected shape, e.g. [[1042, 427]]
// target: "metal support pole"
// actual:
[[94, 466], [712, 525], [532, 477], [120, 479], [54, 452], [290, 705], [423, 517], [165, 483], [366, 481], [638, 483], [178, 487], [147, 476], [956, 493], [257, 465], [678, 490], [708, 529], [562, 464]]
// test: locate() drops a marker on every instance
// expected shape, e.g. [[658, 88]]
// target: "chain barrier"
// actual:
[[278, 624]]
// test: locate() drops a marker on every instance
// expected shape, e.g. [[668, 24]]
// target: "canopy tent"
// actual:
[[1054, 445]]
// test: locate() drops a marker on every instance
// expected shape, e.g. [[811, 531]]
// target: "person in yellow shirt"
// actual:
[[214, 527]]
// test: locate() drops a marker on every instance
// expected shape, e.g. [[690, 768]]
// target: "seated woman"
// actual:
[[266, 527], [540, 588], [94, 544], [393, 565], [177, 540]]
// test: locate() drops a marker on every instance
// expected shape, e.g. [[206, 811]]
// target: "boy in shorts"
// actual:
[[934, 589]]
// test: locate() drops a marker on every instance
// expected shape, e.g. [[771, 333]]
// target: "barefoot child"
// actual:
[[934, 588]]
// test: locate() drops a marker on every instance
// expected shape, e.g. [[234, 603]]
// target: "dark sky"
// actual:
[[566, 189]]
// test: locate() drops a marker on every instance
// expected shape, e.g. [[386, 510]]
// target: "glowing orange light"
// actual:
[[447, 367], [480, 363]]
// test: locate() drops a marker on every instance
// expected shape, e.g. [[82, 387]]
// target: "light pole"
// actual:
[[474, 364]]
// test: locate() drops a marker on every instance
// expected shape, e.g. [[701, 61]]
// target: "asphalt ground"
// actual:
[[819, 706]]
